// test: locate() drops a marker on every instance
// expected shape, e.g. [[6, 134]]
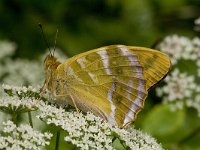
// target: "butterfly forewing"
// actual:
[[155, 64], [113, 81]]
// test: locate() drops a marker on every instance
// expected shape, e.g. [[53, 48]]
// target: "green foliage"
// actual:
[[84, 25], [171, 122], [179, 128]]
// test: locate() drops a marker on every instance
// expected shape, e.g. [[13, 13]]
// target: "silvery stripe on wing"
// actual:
[[133, 60], [137, 102], [114, 84], [130, 83], [71, 72], [129, 117], [141, 86], [131, 114], [140, 95], [93, 77], [113, 108], [125, 52], [103, 54], [81, 61]]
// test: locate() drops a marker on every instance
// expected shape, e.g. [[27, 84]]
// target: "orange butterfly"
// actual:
[[111, 81]]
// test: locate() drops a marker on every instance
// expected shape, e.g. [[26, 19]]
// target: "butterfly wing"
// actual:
[[156, 65], [113, 81]]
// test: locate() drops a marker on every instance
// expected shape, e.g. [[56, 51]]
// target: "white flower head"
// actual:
[[86, 131], [180, 47], [23, 72], [181, 89], [179, 86], [7, 48], [22, 137], [19, 99], [197, 24]]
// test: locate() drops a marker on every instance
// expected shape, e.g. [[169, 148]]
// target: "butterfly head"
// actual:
[[50, 63], [50, 66]]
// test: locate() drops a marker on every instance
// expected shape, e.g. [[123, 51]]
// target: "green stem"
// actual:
[[113, 140], [190, 136], [124, 145], [14, 118], [57, 140], [30, 119]]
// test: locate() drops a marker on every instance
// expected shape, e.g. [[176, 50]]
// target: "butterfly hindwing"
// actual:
[[113, 81]]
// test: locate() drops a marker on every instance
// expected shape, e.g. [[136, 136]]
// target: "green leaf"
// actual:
[[162, 123]]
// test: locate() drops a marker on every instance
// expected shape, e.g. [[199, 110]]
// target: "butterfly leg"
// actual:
[[44, 87], [64, 95], [75, 104]]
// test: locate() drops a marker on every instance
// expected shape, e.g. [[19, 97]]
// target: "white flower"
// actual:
[[179, 86], [135, 138], [91, 132], [22, 137], [14, 104], [7, 48], [20, 99], [182, 89], [197, 21], [197, 24], [180, 47], [22, 72], [21, 89]]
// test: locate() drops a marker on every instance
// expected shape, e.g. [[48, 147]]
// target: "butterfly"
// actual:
[[111, 81]]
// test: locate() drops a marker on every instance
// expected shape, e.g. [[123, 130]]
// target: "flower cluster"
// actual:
[[137, 140], [87, 131], [180, 47], [182, 86], [197, 24], [21, 71], [19, 99], [22, 137], [18, 71], [7, 49]]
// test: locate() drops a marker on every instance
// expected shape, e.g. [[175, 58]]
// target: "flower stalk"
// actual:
[[57, 140], [30, 119]]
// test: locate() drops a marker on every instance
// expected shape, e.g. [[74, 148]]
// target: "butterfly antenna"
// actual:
[[45, 40], [55, 41]]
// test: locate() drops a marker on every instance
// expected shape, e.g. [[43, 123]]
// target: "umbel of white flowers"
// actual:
[[22, 137], [85, 131], [17, 71], [181, 87]]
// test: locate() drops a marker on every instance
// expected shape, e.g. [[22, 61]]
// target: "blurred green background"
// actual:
[[89, 24]]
